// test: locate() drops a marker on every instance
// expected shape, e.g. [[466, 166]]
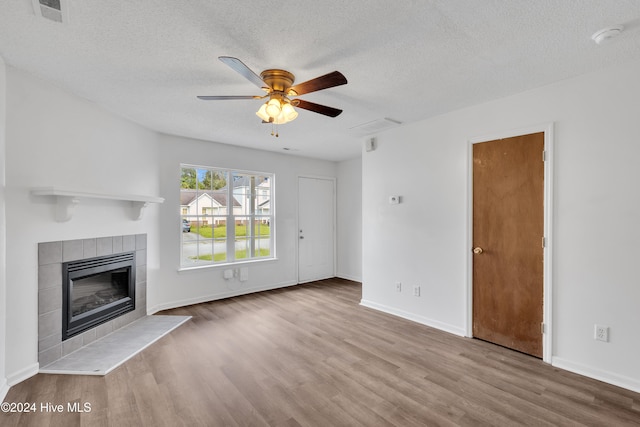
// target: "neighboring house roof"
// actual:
[[188, 196], [245, 181]]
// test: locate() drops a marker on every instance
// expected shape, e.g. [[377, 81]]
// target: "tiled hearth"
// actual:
[[51, 255], [107, 353]]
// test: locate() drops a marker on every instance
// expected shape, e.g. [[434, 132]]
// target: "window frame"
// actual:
[[231, 217]]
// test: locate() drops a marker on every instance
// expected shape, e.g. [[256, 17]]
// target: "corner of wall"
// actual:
[[4, 388], [3, 282], [349, 220], [23, 374]]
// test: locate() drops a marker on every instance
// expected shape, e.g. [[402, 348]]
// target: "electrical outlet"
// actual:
[[601, 333], [416, 291], [398, 287]]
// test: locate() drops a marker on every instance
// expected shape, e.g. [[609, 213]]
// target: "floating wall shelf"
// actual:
[[67, 200]]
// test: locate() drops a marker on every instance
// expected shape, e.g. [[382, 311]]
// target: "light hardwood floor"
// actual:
[[309, 355]]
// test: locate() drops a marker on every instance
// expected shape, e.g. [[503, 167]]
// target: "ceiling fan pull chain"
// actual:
[[276, 131]]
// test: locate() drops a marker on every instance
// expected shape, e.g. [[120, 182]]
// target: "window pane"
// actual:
[[243, 230], [262, 239], [242, 193], [188, 178], [216, 203], [189, 240], [210, 237], [262, 190], [211, 179], [219, 233]]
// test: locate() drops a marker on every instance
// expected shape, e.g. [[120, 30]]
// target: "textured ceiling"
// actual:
[[405, 60]]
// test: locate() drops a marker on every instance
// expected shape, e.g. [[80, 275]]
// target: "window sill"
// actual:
[[225, 265]]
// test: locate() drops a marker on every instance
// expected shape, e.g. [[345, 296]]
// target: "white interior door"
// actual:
[[316, 231]]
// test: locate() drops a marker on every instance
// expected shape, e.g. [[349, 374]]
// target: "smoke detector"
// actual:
[[606, 34], [54, 10]]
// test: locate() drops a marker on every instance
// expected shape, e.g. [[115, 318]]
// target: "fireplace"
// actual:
[[96, 290]]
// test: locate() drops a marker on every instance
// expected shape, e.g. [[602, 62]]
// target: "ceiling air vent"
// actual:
[[374, 126], [54, 10]]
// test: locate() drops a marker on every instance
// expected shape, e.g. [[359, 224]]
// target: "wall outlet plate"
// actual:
[[601, 333]]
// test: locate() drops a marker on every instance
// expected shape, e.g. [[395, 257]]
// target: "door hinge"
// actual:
[[542, 328], [544, 242], [544, 155]]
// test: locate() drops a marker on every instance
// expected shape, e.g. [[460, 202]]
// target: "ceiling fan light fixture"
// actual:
[[262, 113], [274, 108], [289, 112]]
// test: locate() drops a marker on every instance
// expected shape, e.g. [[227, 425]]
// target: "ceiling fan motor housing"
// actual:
[[278, 80]]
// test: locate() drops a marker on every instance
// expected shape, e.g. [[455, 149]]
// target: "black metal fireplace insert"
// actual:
[[96, 290]]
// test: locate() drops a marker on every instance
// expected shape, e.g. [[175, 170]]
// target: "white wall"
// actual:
[[187, 287], [423, 240], [56, 139], [3, 232], [349, 221]]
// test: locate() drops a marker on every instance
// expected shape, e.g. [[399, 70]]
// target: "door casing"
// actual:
[[547, 128]]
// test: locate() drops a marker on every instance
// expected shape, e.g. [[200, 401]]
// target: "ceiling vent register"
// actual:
[[374, 126]]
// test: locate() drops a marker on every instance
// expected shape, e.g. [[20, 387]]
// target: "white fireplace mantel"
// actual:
[[67, 200]]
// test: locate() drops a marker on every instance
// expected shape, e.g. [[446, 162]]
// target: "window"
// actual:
[[226, 216]]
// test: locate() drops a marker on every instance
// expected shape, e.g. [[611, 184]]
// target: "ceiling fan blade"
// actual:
[[317, 108], [323, 82], [245, 71], [225, 97]]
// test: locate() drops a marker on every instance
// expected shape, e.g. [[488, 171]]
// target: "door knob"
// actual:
[[477, 250]]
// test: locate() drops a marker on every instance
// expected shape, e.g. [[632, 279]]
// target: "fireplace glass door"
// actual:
[[92, 292], [96, 290]]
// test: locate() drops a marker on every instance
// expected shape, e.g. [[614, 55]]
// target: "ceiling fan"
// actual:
[[278, 109]]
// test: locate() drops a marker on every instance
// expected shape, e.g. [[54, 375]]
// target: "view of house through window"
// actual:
[[226, 215]]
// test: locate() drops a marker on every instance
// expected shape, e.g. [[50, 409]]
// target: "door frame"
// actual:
[[334, 218], [547, 299]]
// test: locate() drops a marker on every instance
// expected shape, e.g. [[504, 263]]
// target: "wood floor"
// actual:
[[309, 355]]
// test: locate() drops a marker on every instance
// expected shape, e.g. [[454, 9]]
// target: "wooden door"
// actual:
[[508, 230], [316, 221]]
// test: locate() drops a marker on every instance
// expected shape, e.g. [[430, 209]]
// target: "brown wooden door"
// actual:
[[508, 227]]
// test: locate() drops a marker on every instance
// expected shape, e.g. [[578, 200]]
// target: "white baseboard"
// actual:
[[217, 296], [414, 318], [23, 374], [4, 389], [349, 277], [596, 374]]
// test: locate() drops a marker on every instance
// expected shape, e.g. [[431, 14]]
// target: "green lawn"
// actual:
[[223, 256], [220, 231]]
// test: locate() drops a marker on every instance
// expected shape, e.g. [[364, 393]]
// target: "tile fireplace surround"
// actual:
[[51, 255]]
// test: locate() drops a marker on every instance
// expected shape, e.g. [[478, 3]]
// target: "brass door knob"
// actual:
[[477, 250]]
